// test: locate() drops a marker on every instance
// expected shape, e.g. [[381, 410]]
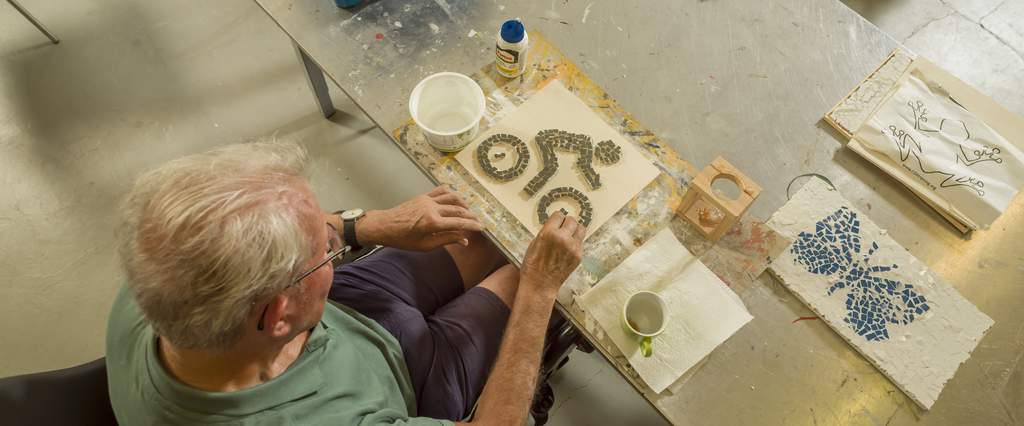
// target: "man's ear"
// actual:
[[274, 321]]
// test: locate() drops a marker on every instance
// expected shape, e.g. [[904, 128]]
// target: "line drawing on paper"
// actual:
[[908, 147], [987, 153]]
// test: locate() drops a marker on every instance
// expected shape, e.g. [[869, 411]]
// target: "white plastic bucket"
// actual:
[[448, 107]]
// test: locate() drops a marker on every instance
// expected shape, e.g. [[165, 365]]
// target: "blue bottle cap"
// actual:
[[512, 31]]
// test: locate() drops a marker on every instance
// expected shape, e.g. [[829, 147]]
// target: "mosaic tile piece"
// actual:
[[586, 210], [607, 152], [503, 175], [548, 141]]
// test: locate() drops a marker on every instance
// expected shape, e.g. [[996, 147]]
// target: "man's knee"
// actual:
[[503, 282]]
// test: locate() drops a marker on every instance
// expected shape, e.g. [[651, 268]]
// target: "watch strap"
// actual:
[[348, 232]]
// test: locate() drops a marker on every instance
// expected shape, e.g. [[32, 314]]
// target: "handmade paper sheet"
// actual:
[[554, 107], [943, 151], [703, 311], [892, 308]]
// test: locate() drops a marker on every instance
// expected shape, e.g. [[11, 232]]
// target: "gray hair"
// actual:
[[206, 236]]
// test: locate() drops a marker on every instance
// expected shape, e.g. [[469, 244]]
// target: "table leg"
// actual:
[[317, 83], [32, 19]]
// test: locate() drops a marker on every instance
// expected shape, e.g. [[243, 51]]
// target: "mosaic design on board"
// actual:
[[607, 152], [872, 302], [586, 211], [503, 175], [553, 139]]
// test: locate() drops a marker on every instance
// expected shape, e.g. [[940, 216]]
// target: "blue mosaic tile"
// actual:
[[872, 302]]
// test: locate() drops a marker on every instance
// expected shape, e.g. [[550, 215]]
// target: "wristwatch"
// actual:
[[348, 221]]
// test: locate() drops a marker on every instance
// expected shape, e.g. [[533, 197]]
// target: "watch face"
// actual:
[[352, 214]]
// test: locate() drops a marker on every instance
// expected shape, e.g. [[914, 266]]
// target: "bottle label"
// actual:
[[510, 57]]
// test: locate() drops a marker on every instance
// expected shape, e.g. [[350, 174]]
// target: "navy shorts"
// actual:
[[449, 337]]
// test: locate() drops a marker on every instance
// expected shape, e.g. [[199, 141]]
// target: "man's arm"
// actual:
[[509, 391], [425, 222], [552, 256]]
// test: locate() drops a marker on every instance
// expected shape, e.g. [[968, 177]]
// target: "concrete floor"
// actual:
[[134, 84], [979, 41]]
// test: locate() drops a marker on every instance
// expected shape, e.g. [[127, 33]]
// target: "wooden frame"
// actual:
[[695, 205], [860, 103], [858, 106]]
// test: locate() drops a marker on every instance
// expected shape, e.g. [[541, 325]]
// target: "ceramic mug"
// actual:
[[645, 315], [447, 107]]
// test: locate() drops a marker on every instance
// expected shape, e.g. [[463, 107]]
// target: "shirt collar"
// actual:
[[301, 379]]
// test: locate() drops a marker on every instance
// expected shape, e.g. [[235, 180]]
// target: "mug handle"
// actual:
[[646, 346]]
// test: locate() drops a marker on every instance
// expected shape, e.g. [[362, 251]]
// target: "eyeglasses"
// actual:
[[335, 249]]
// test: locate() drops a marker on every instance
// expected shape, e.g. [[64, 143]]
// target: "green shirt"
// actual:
[[351, 372]]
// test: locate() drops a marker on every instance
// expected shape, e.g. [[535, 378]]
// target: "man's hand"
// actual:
[[423, 223], [553, 254]]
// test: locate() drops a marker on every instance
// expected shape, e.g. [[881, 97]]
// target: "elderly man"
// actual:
[[225, 316]]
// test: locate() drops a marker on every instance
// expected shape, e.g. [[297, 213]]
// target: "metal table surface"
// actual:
[[748, 80]]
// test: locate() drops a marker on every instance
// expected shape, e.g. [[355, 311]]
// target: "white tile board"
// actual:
[[833, 245], [554, 107], [703, 311]]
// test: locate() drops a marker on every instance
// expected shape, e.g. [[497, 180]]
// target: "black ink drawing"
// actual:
[[586, 211], [908, 146], [986, 153], [504, 175]]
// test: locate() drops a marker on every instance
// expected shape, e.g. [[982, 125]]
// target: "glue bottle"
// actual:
[[510, 50]]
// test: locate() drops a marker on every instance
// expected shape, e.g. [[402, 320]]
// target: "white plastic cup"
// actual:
[[448, 107]]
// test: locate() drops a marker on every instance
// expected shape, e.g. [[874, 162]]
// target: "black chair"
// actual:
[[562, 338], [72, 396]]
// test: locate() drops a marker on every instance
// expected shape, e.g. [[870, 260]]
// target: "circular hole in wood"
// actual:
[[725, 186]]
